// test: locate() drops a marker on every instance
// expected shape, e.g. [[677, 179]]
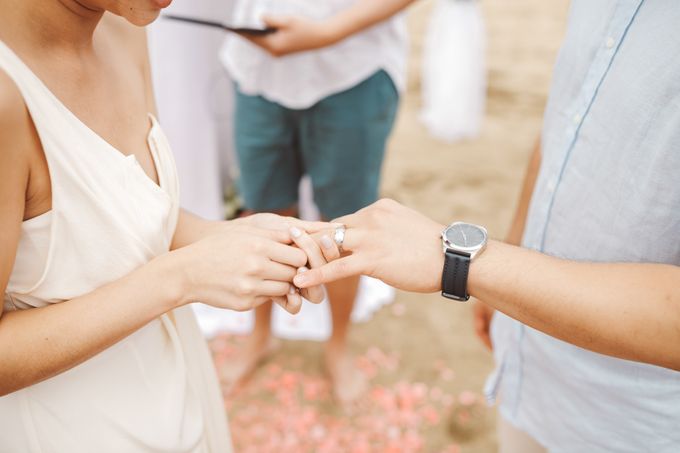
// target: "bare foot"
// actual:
[[347, 382], [236, 372]]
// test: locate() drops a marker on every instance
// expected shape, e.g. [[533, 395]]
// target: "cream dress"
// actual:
[[156, 390]]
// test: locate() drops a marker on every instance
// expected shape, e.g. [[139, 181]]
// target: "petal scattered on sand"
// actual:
[[467, 398], [289, 410], [398, 309]]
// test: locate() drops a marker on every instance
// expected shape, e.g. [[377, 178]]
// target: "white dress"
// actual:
[[154, 391]]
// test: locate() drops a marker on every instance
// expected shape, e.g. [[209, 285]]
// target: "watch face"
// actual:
[[465, 235]]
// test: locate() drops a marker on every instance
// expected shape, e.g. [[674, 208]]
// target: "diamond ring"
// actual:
[[339, 236]]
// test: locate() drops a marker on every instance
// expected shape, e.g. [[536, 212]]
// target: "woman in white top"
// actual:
[[318, 97], [98, 352]]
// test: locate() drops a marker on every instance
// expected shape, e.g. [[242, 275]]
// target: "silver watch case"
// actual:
[[473, 251]]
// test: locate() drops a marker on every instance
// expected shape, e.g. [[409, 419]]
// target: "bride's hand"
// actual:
[[239, 268], [316, 256], [276, 222], [320, 250]]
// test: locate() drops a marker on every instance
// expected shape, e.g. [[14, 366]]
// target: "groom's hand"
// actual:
[[390, 242]]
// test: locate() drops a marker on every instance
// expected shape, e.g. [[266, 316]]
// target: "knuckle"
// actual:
[[241, 307], [294, 305], [341, 267], [253, 266], [337, 268], [382, 203], [256, 246], [246, 288], [242, 304], [386, 204], [332, 255], [300, 258], [375, 214], [280, 236], [316, 294], [284, 289]]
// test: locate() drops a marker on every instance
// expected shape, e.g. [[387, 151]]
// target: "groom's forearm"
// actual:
[[630, 311]]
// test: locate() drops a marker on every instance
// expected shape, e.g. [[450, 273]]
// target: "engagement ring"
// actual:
[[339, 236]]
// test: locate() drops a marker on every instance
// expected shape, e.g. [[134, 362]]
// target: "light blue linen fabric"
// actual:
[[608, 191]]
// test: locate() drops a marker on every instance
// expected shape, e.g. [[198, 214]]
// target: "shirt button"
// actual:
[[610, 42], [577, 118]]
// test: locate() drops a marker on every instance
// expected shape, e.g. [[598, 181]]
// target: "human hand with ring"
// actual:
[[387, 241]]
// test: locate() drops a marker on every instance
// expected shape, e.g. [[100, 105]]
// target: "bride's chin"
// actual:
[[142, 18]]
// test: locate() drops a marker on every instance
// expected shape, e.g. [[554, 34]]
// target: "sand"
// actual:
[[476, 181]]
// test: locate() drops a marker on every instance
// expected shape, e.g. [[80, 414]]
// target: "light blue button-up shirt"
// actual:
[[609, 191]]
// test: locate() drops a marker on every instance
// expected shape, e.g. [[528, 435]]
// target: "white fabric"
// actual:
[[156, 390], [300, 80], [454, 71]]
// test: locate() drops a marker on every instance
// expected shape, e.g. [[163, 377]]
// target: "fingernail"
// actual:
[[300, 280], [302, 270], [326, 242], [296, 233], [291, 290]]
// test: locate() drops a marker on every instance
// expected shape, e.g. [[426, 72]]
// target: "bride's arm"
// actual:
[[36, 344], [236, 269]]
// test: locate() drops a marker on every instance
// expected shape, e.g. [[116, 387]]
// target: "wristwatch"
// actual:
[[462, 242]]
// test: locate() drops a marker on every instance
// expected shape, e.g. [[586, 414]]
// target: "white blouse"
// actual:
[[302, 79]]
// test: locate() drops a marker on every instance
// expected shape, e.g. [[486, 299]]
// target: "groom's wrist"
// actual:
[[481, 275]]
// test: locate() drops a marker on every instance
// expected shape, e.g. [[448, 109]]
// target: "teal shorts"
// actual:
[[339, 142]]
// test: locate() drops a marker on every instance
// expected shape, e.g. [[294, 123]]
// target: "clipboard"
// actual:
[[221, 26]]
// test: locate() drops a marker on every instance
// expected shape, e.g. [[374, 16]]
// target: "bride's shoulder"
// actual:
[[16, 131], [12, 107]]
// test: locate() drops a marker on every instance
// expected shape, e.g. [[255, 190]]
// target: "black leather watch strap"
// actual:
[[455, 275]]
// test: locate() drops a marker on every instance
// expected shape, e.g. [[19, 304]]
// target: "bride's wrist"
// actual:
[[170, 277]]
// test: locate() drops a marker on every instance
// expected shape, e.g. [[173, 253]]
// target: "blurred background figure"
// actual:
[[317, 97], [453, 70], [193, 95]]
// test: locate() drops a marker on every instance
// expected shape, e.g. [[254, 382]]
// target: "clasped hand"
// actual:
[[246, 262], [243, 263]]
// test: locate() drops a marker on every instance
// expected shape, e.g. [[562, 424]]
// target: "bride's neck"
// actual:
[[50, 24]]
